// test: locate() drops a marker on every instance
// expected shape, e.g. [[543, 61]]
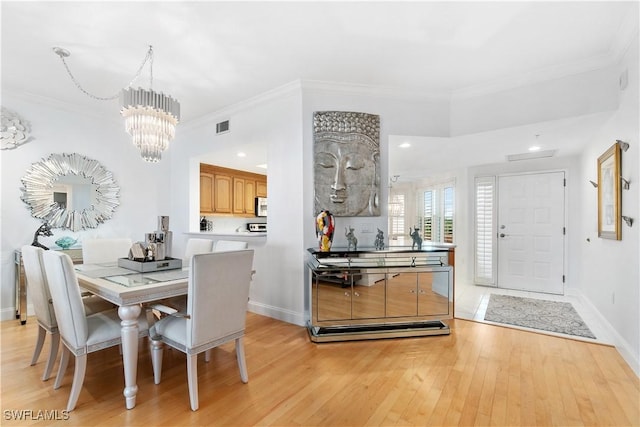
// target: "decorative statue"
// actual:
[[346, 157], [43, 230], [379, 240], [325, 227], [351, 239], [417, 240]]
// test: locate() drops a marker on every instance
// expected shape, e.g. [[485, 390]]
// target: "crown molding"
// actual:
[[226, 112], [624, 38], [56, 104], [372, 90], [627, 33], [538, 76]]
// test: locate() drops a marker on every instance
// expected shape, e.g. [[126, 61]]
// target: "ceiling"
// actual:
[[210, 55]]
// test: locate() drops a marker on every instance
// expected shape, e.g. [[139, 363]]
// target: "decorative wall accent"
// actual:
[[70, 191], [346, 150], [609, 194], [14, 130]]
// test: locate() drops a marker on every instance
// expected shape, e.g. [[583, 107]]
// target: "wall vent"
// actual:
[[222, 127]]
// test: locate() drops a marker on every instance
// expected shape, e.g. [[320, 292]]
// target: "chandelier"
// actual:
[[150, 117]]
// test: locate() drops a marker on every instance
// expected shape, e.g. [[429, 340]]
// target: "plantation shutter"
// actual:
[[396, 216], [485, 230]]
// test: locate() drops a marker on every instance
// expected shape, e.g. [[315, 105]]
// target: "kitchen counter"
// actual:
[[240, 235]]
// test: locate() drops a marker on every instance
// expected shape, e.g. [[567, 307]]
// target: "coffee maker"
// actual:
[[159, 241]]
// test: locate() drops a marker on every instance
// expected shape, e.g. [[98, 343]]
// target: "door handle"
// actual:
[[503, 235]]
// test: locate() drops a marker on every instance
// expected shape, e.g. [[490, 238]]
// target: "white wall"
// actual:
[[567, 96], [275, 119], [400, 114], [60, 129], [609, 274]]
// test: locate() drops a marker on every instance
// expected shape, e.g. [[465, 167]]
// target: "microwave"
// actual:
[[261, 206]]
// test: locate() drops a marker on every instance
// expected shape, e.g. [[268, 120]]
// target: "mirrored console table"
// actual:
[[370, 294], [21, 281]]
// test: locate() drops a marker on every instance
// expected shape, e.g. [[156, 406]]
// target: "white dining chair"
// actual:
[[105, 250], [196, 246], [229, 245], [43, 307], [81, 334], [218, 292], [201, 246]]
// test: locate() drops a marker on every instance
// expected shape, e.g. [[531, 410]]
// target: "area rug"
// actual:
[[553, 316]]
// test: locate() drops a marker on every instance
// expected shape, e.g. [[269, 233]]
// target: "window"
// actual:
[[428, 215], [436, 220], [396, 216], [485, 239], [447, 215]]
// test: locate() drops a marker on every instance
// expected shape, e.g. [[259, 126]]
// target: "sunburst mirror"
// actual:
[[70, 191]]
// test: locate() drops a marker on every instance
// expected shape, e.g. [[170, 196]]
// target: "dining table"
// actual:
[[129, 289]]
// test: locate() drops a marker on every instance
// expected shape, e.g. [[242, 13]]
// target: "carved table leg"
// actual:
[[129, 315]]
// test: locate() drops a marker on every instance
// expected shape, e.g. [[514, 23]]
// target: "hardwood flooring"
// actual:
[[479, 375]]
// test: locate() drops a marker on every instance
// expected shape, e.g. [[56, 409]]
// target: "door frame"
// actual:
[[473, 235], [565, 243]]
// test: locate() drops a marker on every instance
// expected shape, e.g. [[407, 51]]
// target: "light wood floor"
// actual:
[[479, 375]]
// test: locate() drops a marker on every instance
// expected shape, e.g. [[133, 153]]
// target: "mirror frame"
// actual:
[[38, 187]]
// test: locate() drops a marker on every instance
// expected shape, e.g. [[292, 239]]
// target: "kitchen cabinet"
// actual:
[[370, 294], [249, 197], [206, 193], [225, 191], [261, 188], [222, 193], [238, 195]]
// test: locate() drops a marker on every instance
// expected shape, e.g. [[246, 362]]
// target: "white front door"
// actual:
[[531, 232]]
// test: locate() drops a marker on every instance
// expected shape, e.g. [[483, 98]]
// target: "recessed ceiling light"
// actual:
[[405, 145], [263, 166], [534, 148], [241, 154]]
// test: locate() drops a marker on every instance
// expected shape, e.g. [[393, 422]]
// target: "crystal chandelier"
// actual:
[[150, 117]]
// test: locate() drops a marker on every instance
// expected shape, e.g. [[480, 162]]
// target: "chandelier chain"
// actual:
[[148, 57]]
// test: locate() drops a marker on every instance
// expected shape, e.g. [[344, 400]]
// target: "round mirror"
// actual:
[[70, 191]]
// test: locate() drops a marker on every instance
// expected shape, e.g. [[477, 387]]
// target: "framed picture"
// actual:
[[609, 194]]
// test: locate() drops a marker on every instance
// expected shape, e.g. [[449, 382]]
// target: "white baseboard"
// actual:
[[9, 314], [623, 347], [265, 310], [278, 313]]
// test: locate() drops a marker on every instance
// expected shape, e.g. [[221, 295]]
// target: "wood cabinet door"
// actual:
[[261, 188], [222, 194], [206, 193], [249, 197], [238, 195]]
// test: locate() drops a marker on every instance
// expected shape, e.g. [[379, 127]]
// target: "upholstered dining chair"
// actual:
[[218, 292], [196, 246], [43, 307], [229, 245], [81, 334], [107, 250], [202, 246]]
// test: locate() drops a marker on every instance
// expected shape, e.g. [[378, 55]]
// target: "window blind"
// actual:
[[485, 239]]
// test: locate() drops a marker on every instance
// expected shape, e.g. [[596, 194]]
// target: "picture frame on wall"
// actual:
[[609, 196]]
